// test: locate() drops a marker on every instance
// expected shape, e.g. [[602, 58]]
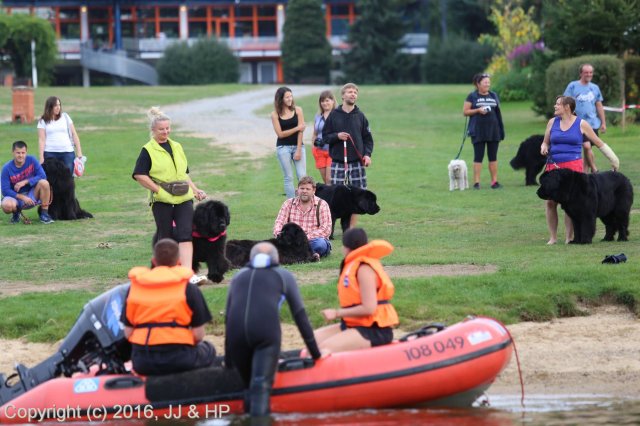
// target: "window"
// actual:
[[197, 29], [197, 12], [98, 14], [267, 29], [267, 11], [168, 12], [339, 26], [340, 9], [244, 29], [220, 11], [69, 30], [70, 13], [244, 11], [170, 29]]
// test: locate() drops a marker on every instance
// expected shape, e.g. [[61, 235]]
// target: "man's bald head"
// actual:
[[264, 254]]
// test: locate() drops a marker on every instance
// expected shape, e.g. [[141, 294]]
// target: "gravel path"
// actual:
[[231, 121]]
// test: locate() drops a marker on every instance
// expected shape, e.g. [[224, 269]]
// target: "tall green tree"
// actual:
[[17, 44], [577, 27], [376, 39], [306, 52]]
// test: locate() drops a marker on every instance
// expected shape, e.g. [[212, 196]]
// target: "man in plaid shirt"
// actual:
[[311, 213]]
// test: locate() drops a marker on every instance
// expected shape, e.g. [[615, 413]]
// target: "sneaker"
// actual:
[[316, 257], [15, 217], [45, 218], [496, 185], [198, 279], [476, 186]]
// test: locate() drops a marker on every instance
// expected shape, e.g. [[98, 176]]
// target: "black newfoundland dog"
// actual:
[[530, 159], [64, 204], [210, 221], [585, 197], [345, 200], [292, 245]]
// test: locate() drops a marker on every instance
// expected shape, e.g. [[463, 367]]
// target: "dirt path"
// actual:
[[596, 353]]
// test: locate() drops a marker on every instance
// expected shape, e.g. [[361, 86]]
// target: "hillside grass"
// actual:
[[417, 130]]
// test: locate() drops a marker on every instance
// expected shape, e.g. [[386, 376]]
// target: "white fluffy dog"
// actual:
[[458, 175]]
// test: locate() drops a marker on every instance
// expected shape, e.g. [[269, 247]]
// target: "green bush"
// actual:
[[608, 75], [206, 62], [455, 60], [632, 85], [540, 62], [515, 85]]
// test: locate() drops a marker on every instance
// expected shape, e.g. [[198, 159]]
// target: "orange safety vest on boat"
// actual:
[[385, 314], [157, 306]]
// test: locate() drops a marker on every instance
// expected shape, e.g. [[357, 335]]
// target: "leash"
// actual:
[[464, 137], [346, 168]]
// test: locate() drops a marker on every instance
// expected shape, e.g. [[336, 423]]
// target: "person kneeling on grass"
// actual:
[[364, 291], [24, 185]]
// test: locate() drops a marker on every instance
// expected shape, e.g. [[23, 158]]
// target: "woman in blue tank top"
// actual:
[[562, 144], [288, 123]]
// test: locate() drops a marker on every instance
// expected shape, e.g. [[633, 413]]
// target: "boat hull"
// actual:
[[449, 368]]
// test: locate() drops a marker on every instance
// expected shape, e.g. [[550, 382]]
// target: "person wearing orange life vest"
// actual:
[[164, 316], [364, 292]]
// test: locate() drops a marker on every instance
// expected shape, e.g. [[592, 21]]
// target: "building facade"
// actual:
[[143, 29]]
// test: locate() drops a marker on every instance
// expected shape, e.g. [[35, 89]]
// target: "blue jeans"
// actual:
[[285, 155], [66, 157], [322, 246]]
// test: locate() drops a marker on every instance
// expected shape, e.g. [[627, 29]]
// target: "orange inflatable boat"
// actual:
[[438, 366]]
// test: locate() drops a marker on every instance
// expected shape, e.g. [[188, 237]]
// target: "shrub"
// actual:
[[455, 60], [206, 62], [515, 85], [632, 84]]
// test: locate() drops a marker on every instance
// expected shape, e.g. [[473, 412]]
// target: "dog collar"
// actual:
[[196, 234]]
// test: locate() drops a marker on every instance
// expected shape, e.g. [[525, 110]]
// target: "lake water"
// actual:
[[503, 410]]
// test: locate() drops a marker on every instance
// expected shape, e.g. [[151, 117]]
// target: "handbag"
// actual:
[[178, 187]]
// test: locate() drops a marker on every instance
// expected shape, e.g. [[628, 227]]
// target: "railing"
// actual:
[[117, 63]]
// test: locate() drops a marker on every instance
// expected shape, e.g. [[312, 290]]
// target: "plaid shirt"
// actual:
[[308, 220]]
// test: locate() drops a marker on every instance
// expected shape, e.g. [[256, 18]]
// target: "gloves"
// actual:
[[611, 156]]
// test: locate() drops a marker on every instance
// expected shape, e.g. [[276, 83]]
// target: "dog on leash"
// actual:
[[458, 175]]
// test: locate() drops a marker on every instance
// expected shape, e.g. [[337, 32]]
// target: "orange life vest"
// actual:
[[385, 314], [157, 306]]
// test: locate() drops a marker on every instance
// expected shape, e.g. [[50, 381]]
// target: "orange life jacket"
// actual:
[[385, 314], [157, 306]]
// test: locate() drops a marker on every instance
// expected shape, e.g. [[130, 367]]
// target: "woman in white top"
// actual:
[[57, 136]]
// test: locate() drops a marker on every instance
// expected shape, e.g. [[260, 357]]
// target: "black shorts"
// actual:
[[378, 336], [166, 215]]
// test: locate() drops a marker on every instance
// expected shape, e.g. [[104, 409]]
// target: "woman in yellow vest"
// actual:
[[364, 292], [161, 163]]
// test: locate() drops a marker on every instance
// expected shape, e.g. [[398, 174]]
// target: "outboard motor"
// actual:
[[96, 338]]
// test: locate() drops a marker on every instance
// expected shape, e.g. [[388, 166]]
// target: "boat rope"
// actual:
[[515, 351]]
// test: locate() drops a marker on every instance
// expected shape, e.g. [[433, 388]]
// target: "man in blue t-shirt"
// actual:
[[588, 107], [24, 185]]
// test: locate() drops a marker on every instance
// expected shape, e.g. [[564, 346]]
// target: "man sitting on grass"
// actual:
[[24, 185]]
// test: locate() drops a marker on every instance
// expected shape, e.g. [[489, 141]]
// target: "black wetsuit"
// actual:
[[253, 335]]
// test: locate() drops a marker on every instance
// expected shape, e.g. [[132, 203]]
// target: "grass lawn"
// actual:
[[417, 130]]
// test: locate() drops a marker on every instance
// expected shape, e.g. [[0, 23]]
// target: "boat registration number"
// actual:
[[439, 346]]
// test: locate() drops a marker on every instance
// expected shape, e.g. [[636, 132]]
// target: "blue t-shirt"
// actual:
[[565, 145], [11, 174], [586, 96]]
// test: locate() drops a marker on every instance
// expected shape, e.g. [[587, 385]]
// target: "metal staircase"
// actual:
[[118, 64]]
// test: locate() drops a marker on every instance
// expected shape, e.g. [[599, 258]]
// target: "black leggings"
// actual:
[[478, 151]]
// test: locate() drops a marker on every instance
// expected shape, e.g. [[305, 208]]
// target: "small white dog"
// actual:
[[458, 175]]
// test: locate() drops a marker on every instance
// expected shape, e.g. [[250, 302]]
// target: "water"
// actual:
[[504, 410]]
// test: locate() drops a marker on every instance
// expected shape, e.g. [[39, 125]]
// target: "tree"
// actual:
[[515, 27], [464, 18], [375, 39], [577, 27], [207, 61], [306, 53], [18, 31]]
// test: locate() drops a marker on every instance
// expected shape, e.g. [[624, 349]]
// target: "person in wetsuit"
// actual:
[[253, 336]]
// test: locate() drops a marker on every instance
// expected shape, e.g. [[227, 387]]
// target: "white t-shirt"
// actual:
[[57, 134]]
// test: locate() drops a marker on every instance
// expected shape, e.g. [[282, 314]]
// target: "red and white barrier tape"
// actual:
[[616, 109]]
